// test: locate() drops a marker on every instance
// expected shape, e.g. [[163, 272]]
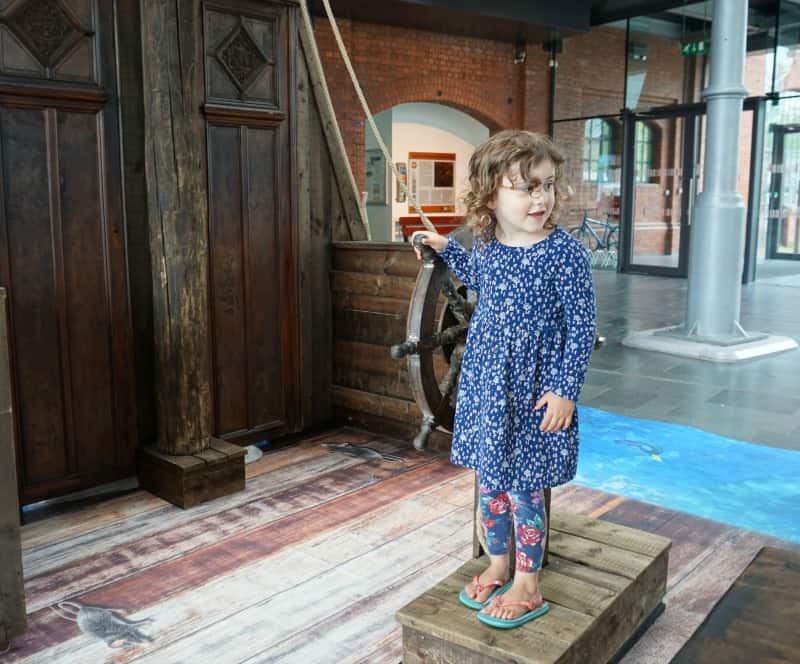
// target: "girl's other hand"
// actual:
[[559, 413], [437, 242]]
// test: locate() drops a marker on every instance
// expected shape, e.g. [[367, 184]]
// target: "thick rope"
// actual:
[[412, 199]]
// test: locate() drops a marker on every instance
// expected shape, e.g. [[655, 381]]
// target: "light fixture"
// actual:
[[520, 51]]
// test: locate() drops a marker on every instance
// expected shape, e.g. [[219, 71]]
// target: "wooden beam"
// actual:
[[177, 198], [178, 220], [12, 595]]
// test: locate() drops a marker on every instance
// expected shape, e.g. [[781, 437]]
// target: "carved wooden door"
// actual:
[[62, 245], [249, 50]]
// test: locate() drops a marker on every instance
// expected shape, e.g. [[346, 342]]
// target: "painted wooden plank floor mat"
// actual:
[[308, 564]]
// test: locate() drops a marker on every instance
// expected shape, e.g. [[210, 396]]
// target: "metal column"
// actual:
[[716, 256]]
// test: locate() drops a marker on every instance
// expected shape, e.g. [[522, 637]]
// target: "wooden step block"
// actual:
[[189, 480], [603, 582]]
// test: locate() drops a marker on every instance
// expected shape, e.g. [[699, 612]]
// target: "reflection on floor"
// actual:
[[309, 563]]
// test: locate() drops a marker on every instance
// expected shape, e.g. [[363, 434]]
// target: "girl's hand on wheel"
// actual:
[[437, 242]]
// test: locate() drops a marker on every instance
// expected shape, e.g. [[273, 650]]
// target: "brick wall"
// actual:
[[399, 65]]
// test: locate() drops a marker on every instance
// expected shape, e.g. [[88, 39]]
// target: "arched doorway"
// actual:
[[415, 134]]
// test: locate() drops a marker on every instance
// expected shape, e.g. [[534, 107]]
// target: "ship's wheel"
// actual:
[[438, 319]]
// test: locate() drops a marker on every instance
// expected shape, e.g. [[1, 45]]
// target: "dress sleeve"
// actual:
[[575, 288], [463, 263]]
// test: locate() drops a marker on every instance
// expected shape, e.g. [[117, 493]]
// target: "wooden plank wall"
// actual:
[[371, 284]]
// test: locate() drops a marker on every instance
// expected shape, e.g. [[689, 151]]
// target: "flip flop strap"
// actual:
[[500, 602], [480, 587]]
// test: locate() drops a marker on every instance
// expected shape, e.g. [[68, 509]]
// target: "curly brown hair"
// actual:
[[496, 158]]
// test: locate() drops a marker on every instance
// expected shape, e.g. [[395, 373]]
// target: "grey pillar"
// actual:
[[718, 227], [712, 330]]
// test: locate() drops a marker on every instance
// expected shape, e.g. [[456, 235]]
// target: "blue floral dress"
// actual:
[[532, 332]]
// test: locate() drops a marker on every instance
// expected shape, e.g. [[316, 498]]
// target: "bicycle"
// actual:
[[603, 245]]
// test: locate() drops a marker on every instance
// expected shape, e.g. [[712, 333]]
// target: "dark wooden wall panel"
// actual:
[[62, 245], [86, 315], [137, 233], [372, 284], [29, 269], [227, 277], [266, 301], [252, 218], [251, 291]]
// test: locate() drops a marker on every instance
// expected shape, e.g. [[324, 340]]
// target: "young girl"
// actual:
[[527, 351]]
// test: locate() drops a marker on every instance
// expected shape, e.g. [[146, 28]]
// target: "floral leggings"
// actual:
[[527, 510]]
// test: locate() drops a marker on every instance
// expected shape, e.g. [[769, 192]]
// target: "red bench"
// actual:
[[444, 224]]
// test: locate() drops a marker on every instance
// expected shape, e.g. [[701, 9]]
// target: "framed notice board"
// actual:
[[432, 178]]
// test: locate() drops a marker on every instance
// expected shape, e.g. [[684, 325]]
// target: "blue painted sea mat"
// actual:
[[739, 483]]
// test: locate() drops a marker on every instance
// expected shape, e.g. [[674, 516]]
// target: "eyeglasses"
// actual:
[[531, 189]]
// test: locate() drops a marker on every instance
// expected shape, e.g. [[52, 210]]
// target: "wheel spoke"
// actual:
[[450, 379], [446, 337], [455, 301]]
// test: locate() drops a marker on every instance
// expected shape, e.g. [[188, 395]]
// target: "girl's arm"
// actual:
[[575, 288], [463, 263]]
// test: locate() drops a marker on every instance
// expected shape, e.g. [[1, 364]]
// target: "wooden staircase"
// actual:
[[604, 582]]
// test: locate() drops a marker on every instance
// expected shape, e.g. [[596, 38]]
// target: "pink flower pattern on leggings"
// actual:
[[529, 517]]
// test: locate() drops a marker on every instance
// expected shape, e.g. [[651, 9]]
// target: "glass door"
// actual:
[[783, 228], [665, 154], [661, 181]]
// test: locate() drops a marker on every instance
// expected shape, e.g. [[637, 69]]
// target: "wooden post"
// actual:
[[12, 597], [186, 466]]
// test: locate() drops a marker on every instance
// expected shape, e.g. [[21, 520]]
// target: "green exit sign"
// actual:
[[695, 47]]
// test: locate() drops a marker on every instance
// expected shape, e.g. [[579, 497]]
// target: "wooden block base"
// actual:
[[603, 583], [187, 481]]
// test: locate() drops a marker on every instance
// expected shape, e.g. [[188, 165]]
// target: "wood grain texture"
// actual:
[[389, 258], [177, 199], [251, 129], [371, 285], [137, 237], [12, 595]]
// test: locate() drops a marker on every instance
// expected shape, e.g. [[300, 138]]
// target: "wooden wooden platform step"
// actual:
[[603, 581]]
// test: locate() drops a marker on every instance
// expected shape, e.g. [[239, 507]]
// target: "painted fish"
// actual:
[[104, 623], [651, 450], [361, 451]]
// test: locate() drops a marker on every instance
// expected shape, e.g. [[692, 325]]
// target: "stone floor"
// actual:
[[757, 400]]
